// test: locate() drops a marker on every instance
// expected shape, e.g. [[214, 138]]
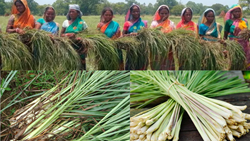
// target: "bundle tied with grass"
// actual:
[[14, 54], [83, 106], [214, 119], [103, 54]]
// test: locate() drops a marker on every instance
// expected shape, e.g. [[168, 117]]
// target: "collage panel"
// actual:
[[130, 35], [65, 106], [189, 105]]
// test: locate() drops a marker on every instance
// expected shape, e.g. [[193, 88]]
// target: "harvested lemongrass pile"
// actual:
[[84, 105], [214, 119]]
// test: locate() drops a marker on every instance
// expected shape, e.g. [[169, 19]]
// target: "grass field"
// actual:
[[92, 21]]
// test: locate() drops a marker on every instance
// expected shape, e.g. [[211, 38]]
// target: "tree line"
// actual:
[[94, 7]]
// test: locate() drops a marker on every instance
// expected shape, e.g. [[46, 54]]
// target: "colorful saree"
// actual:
[[211, 33], [167, 25], [111, 29], [188, 26], [135, 26], [48, 26], [25, 19], [76, 26], [234, 26], [158, 62]]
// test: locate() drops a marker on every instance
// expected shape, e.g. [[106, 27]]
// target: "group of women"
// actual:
[[207, 28]]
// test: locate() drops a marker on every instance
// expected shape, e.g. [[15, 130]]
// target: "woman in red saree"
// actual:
[[186, 21]]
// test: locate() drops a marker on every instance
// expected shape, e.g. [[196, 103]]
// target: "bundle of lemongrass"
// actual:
[[214, 119], [84, 105]]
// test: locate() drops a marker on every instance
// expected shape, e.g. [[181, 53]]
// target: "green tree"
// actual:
[[61, 6], [130, 2], [169, 3], [245, 4], [33, 7], [41, 9], [2, 7], [198, 8], [176, 10], [8, 6], [119, 8], [89, 6], [218, 8]]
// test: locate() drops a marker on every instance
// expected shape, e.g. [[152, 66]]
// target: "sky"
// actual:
[[204, 2]]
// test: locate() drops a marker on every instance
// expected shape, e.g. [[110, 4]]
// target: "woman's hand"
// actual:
[[70, 35], [20, 31], [133, 34]]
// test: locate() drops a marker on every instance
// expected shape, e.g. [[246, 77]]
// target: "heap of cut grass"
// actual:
[[236, 55], [186, 49], [101, 50], [14, 54]]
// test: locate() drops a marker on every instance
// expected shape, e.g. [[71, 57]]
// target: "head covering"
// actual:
[[203, 19], [214, 30], [183, 11], [46, 9], [229, 14], [106, 9], [129, 15], [25, 19], [190, 25], [157, 15], [75, 7]]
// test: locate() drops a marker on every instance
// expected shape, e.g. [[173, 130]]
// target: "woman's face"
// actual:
[[164, 14], [135, 12], [20, 7], [107, 16], [73, 13], [188, 15], [236, 13], [210, 17], [49, 15]]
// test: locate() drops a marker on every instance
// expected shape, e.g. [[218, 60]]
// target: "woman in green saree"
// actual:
[[73, 25]]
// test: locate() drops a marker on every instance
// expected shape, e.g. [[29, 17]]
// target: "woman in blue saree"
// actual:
[[111, 29], [209, 30], [133, 21], [47, 22]]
